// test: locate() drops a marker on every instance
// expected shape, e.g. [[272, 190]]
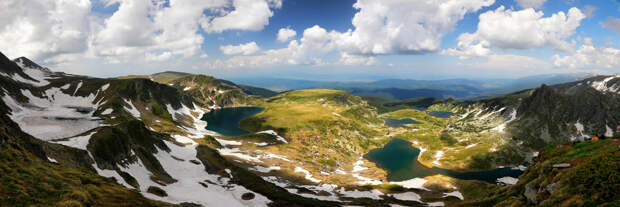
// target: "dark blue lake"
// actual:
[[400, 122], [440, 114], [226, 121], [400, 159]]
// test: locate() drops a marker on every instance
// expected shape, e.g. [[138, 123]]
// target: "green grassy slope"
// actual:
[[593, 178], [28, 180]]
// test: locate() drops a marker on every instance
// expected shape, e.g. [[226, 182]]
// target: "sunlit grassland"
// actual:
[[326, 129]]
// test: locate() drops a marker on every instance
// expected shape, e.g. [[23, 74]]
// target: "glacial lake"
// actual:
[[400, 159], [395, 123], [225, 121], [440, 114]]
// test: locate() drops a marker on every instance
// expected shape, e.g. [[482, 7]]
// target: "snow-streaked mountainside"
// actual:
[[547, 114], [116, 124]]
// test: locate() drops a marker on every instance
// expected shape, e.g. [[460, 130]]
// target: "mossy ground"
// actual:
[[29, 181]]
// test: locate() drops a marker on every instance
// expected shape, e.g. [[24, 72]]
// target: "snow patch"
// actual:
[[199, 126], [183, 139], [189, 176], [501, 127], [107, 111], [105, 87], [455, 194], [55, 115], [237, 153], [602, 85], [438, 156], [34, 73], [224, 142], [264, 169], [408, 196], [357, 166], [274, 156], [366, 181], [307, 173], [373, 194], [580, 130], [79, 142], [507, 180], [608, 131], [520, 167], [436, 204], [274, 133], [417, 183], [77, 88], [132, 110]]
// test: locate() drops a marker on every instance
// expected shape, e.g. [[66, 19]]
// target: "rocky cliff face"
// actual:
[[548, 114], [566, 112], [212, 93]]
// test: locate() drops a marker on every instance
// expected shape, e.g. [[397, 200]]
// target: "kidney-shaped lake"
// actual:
[[400, 159]]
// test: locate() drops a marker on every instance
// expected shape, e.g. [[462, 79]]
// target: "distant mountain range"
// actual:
[[401, 89]]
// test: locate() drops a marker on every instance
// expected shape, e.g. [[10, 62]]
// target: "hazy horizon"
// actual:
[[345, 40]]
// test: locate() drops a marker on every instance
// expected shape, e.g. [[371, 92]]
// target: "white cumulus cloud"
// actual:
[[245, 49], [524, 29], [246, 15], [45, 28], [397, 26], [58, 32], [380, 27], [589, 57], [286, 34]]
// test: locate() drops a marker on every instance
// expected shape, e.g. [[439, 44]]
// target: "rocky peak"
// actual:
[[25, 62]]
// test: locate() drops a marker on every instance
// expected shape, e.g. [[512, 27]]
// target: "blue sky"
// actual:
[[390, 39]]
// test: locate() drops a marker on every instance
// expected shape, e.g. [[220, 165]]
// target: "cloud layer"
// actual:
[[245, 49], [144, 32], [589, 57], [525, 29], [140, 30]]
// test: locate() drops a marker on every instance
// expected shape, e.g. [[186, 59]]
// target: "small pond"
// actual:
[[400, 159], [226, 121], [395, 123], [418, 108], [440, 114]]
